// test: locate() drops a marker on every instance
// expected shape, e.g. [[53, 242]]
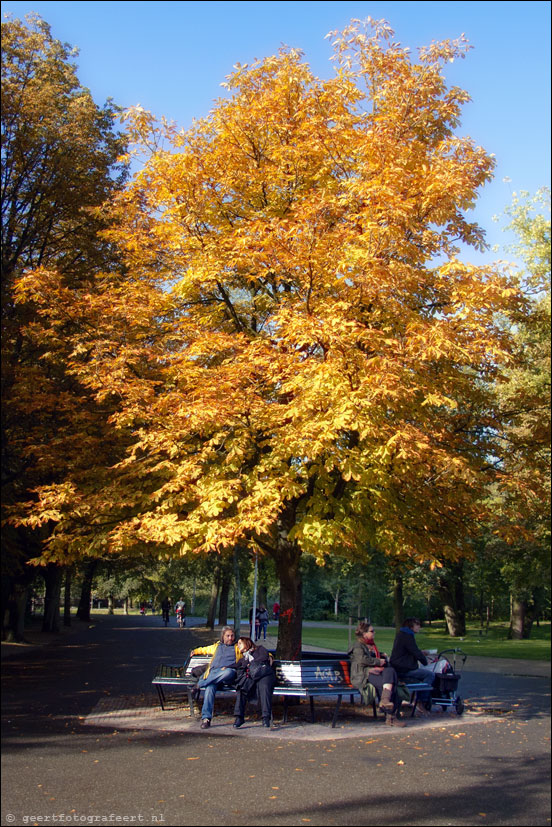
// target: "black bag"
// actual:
[[244, 682], [258, 670], [198, 671]]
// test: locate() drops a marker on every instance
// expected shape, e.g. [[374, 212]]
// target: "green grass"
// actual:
[[493, 645]]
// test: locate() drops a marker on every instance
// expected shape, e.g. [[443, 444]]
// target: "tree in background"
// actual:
[[525, 401], [59, 163], [298, 356]]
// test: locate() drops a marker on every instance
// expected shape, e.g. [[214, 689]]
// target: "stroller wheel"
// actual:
[[459, 706]]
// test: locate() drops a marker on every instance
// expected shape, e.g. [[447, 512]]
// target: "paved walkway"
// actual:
[[83, 738]]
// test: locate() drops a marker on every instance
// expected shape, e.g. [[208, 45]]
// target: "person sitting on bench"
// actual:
[[369, 665], [406, 657], [225, 653], [256, 678]]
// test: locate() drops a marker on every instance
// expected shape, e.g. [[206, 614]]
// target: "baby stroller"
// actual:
[[445, 688]]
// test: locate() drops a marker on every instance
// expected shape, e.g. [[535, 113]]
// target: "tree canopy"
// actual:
[[60, 163], [296, 352]]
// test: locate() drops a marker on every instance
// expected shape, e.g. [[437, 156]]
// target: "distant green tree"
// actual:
[[525, 399]]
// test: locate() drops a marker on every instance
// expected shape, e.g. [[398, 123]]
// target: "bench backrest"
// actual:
[[326, 672], [193, 661], [318, 673]]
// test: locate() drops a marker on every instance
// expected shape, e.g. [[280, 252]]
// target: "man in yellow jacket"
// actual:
[[225, 654]]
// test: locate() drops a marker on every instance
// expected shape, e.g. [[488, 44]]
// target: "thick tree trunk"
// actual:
[[53, 575], [14, 630], [83, 611], [451, 592], [521, 618], [398, 602], [288, 566], [18, 546], [67, 598], [237, 593], [262, 591]]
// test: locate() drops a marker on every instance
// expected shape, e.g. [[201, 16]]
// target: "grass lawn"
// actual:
[[494, 645]]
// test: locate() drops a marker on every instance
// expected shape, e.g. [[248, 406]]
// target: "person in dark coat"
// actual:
[[370, 666], [255, 677], [406, 657]]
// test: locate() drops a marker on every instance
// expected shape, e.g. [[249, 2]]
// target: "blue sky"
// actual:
[[171, 57]]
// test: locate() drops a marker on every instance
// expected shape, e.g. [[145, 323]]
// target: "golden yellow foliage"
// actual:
[[297, 355]]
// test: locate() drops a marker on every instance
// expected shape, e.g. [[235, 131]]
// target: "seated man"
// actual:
[[406, 657], [224, 655]]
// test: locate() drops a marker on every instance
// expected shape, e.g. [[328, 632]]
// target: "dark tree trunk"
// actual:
[[237, 592], [521, 619], [211, 615], [67, 598], [14, 629], [226, 582], [288, 566], [398, 601], [18, 546], [83, 612], [53, 575], [262, 592], [451, 592]]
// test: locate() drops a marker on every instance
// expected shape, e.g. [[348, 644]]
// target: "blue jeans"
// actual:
[[209, 684], [420, 675]]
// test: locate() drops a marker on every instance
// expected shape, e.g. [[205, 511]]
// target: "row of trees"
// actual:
[[476, 591], [266, 339]]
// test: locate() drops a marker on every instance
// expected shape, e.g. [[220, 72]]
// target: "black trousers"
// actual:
[[387, 676], [263, 691]]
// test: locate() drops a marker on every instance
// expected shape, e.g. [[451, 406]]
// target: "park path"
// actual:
[[56, 761]]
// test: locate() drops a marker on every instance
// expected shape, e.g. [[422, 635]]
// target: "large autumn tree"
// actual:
[[318, 371], [59, 164]]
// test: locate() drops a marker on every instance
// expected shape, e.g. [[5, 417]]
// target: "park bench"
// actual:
[[316, 675], [323, 677]]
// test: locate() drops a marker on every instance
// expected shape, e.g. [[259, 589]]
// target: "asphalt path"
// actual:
[[490, 766]]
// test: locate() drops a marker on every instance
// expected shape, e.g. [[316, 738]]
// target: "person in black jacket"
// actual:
[[255, 676], [406, 657]]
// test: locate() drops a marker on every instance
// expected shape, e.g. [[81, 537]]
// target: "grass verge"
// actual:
[[494, 644]]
